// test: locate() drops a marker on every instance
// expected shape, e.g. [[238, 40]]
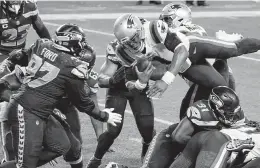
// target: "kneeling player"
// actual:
[[221, 110]]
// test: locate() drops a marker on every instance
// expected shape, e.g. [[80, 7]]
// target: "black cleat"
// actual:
[[94, 163]]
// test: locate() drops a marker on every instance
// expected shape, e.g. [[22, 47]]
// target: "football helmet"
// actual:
[[129, 31], [13, 8], [225, 104], [72, 37], [176, 14]]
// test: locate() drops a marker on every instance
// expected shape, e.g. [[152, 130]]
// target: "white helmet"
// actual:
[[129, 32], [176, 15]]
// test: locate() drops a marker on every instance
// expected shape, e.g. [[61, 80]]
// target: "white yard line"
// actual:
[[103, 16]]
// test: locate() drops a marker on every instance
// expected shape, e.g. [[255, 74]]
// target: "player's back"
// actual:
[[48, 73]]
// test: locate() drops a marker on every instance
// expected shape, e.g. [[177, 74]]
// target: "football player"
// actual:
[[112, 77], [233, 146], [87, 54], [222, 109], [52, 72], [178, 17], [16, 19], [170, 48]]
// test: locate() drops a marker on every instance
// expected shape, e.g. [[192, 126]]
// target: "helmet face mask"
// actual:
[[12, 7], [135, 43], [225, 105], [176, 15]]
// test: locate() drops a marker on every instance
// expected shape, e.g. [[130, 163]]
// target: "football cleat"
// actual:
[[222, 35], [94, 163]]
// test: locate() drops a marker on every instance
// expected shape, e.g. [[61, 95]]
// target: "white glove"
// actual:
[[222, 35], [113, 118]]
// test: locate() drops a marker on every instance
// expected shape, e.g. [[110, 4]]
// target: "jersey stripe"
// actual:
[[221, 157], [212, 41], [154, 32], [31, 13]]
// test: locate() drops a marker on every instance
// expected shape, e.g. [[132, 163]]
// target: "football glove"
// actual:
[[238, 145]]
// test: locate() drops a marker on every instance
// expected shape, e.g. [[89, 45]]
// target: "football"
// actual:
[[142, 63]]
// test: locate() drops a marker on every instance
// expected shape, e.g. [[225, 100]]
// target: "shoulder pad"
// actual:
[[111, 52], [201, 115], [81, 69], [158, 30]]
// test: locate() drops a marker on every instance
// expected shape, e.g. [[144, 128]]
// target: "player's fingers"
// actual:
[[153, 92]]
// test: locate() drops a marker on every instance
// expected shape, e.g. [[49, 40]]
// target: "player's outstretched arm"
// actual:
[[77, 94], [40, 28]]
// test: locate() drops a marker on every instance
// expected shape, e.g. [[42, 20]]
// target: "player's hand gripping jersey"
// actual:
[[49, 75], [14, 30]]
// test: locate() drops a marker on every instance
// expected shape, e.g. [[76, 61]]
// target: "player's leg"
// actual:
[[59, 138], [187, 158], [28, 138], [213, 152], [222, 67], [188, 100], [204, 75], [143, 111], [6, 135], [114, 99], [253, 164], [55, 142], [162, 150]]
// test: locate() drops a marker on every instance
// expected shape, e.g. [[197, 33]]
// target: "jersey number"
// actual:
[[40, 72], [203, 107], [15, 37]]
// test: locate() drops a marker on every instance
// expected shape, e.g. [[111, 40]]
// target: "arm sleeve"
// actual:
[[79, 98], [40, 28]]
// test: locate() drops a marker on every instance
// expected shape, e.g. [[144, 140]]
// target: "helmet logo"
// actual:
[[130, 22], [176, 6], [216, 100]]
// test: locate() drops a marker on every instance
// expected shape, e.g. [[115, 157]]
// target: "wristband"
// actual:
[[168, 77], [139, 85]]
